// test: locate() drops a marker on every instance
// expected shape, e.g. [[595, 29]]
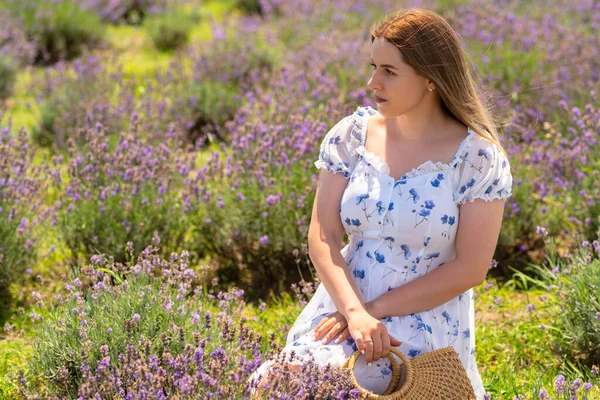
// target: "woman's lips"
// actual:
[[379, 99]]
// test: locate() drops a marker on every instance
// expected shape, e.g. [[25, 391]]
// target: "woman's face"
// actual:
[[394, 80]]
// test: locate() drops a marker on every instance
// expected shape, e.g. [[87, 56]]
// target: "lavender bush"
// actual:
[[7, 76], [114, 193], [128, 11], [60, 29], [249, 205], [148, 328], [171, 30], [14, 41], [73, 98], [576, 280], [21, 210], [192, 103]]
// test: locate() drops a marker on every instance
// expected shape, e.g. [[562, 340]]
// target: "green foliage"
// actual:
[[249, 6], [169, 31], [212, 104], [45, 133], [17, 251], [233, 234], [579, 294], [101, 309], [574, 281], [7, 76], [61, 29], [107, 211]]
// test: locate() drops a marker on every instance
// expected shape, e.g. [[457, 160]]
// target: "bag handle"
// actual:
[[389, 393]]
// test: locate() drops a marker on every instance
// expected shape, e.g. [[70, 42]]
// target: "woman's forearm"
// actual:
[[335, 275], [426, 292]]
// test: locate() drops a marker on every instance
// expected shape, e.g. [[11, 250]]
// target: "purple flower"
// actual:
[[560, 383], [135, 318], [264, 240], [540, 230]]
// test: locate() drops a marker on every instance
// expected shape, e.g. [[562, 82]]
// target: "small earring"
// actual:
[[431, 89]]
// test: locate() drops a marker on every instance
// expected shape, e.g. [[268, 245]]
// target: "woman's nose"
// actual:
[[373, 83]]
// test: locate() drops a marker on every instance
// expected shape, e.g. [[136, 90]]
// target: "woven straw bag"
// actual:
[[438, 374]]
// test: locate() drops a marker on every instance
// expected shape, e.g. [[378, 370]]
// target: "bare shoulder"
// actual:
[[456, 130]]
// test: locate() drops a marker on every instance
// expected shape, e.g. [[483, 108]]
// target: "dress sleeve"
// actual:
[[337, 149], [484, 174]]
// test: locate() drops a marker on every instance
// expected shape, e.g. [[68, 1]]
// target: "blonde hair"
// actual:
[[429, 44]]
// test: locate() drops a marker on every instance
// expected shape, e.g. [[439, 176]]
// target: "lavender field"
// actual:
[[157, 183]]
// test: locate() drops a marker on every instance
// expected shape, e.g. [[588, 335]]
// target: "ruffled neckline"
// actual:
[[360, 121]]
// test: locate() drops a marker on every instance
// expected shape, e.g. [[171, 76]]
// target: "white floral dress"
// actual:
[[399, 231]]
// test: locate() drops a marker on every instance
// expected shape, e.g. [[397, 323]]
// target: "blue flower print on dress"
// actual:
[[351, 343], [447, 317], [387, 220], [469, 184], [467, 333], [405, 250], [388, 271], [359, 273], [390, 241], [359, 244], [425, 212], [437, 180], [398, 183], [414, 195], [450, 220], [430, 257], [412, 353], [427, 239], [361, 198], [453, 333], [381, 372], [421, 327]]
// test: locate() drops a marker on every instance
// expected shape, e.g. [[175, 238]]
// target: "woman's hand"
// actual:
[[371, 336], [336, 324]]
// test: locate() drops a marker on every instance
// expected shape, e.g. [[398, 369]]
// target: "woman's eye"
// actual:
[[373, 66]]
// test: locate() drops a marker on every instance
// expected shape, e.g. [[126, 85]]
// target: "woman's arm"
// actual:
[[476, 239], [325, 237]]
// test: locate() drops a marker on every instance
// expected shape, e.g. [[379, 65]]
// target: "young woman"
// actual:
[[419, 186]]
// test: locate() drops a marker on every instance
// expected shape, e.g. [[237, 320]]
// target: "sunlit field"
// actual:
[[157, 183]]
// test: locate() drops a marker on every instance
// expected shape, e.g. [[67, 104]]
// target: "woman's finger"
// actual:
[[335, 330], [360, 345], [377, 346], [327, 326], [322, 321], [368, 346], [322, 326], [386, 345], [343, 336]]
